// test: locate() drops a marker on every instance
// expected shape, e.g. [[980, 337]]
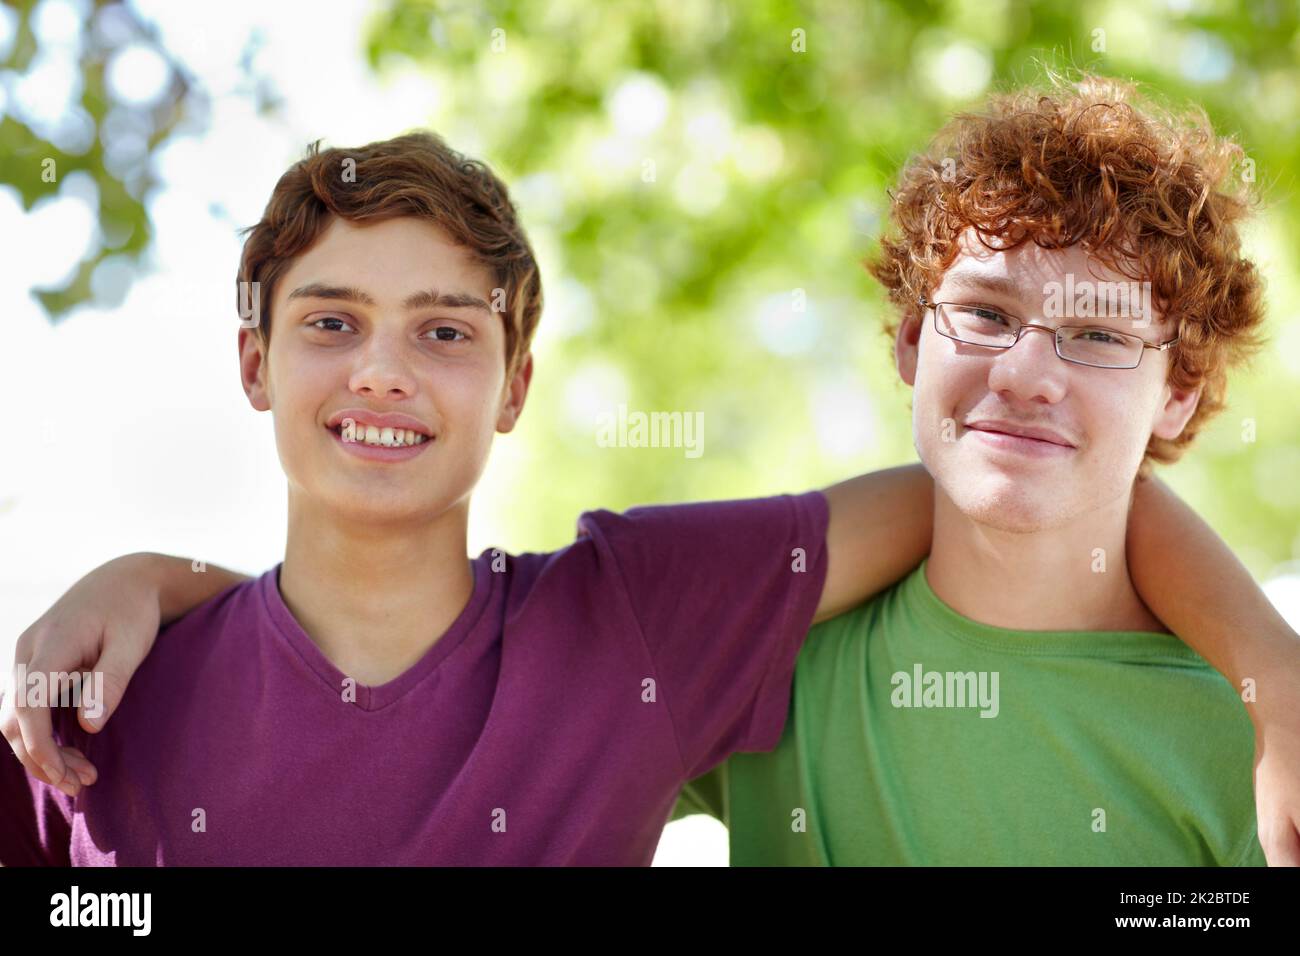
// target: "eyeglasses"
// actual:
[[1083, 345]]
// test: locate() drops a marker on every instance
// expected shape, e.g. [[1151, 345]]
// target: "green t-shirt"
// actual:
[[1100, 748]]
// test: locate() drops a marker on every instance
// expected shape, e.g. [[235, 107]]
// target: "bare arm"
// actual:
[[880, 529], [1193, 582], [107, 623], [184, 584]]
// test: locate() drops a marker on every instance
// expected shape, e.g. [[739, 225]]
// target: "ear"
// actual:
[[253, 370], [1179, 406], [906, 346], [516, 392]]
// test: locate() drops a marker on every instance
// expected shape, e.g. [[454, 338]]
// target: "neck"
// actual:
[[1048, 580], [374, 597]]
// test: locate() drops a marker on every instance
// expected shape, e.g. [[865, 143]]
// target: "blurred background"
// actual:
[[701, 181]]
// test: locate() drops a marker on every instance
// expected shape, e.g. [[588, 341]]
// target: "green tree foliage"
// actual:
[[108, 140], [698, 171], [703, 179]]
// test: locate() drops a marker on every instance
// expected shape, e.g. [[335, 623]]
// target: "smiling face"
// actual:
[[384, 319], [1104, 416]]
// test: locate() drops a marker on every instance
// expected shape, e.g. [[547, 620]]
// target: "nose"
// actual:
[[382, 370], [1031, 370]]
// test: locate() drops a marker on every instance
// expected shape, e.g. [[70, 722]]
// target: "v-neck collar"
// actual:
[[368, 697]]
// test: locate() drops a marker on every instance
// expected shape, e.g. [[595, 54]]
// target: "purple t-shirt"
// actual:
[[553, 724]]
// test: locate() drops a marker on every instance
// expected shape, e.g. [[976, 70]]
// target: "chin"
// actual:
[[1010, 521], [376, 505], [1005, 504]]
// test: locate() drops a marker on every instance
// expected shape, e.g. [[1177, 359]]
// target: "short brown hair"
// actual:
[[418, 175], [1152, 194]]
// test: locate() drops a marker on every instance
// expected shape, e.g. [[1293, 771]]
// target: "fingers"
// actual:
[[35, 727], [112, 673], [27, 722], [27, 731], [36, 735], [1282, 846], [80, 766], [9, 726], [80, 771], [1277, 827]]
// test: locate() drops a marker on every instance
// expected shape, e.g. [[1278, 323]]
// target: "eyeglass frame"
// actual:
[[1056, 337]]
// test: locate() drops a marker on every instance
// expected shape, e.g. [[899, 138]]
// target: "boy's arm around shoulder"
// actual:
[[105, 623], [880, 528], [1192, 581]]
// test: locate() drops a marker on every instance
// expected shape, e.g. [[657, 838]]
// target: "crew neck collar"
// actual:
[[915, 590]]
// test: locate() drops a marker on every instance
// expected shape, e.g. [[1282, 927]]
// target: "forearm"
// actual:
[[880, 528], [1193, 582], [182, 584]]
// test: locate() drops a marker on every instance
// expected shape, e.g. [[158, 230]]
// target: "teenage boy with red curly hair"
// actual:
[[1012, 701], [379, 697]]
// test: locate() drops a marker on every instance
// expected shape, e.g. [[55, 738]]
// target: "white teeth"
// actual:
[[383, 437]]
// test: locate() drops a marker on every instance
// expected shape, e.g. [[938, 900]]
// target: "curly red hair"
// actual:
[[1155, 195]]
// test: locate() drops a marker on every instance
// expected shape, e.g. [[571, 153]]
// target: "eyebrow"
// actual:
[[991, 283], [429, 298], [1012, 289]]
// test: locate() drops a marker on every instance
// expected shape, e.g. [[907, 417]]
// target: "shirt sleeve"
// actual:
[[35, 818], [723, 594]]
